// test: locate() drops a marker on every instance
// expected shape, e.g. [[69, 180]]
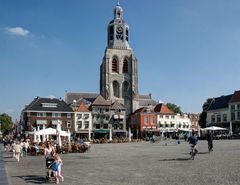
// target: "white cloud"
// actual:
[[19, 31]]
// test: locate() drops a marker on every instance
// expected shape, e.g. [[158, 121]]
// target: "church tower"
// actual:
[[119, 71]]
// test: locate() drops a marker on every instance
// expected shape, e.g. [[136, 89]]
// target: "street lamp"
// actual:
[[58, 133], [110, 132]]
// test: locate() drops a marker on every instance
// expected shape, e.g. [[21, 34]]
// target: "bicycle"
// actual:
[[193, 152]]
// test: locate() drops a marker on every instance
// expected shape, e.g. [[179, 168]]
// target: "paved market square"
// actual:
[[136, 164]]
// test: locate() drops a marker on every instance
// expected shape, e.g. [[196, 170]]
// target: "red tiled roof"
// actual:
[[162, 108], [83, 108], [235, 97], [144, 110]]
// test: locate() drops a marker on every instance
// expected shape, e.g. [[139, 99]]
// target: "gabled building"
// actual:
[[46, 112], [194, 120], [143, 122], [183, 123], [82, 121], [218, 112], [166, 119], [224, 111], [101, 117], [234, 109], [118, 119]]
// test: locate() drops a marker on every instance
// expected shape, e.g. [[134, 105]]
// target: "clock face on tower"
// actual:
[[119, 30], [119, 33]]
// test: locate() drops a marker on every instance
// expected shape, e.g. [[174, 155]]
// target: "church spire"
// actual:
[[118, 30], [118, 12]]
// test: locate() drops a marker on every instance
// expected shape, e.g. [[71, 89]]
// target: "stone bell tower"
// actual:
[[119, 70]]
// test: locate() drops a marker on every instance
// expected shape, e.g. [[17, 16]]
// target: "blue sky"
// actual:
[[187, 50]]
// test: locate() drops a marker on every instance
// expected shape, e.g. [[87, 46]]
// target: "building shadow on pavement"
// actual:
[[34, 179]]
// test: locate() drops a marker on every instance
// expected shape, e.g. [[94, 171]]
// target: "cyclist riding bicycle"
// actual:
[[193, 142]]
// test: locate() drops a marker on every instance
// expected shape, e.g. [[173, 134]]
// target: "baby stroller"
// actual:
[[49, 172]]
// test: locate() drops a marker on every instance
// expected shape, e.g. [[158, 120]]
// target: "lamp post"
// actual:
[[129, 134], [110, 132], [58, 133]]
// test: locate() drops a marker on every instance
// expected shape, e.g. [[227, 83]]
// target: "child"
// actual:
[[56, 168]]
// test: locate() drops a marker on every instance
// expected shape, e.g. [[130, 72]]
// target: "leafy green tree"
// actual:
[[6, 124], [174, 108], [203, 119], [207, 104], [203, 115]]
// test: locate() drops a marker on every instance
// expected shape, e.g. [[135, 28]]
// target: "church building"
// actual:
[[119, 69], [118, 82]]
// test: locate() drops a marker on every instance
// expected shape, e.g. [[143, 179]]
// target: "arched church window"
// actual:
[[118, 14], [114, 66], [116, 89], [111, 31], [125, 89], [126, 34], [125, 66]]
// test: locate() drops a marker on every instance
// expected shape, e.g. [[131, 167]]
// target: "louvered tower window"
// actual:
[[114, 66], [125, 66]]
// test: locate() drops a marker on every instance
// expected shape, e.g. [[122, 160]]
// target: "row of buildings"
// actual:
[[117, 108], [88, 115]]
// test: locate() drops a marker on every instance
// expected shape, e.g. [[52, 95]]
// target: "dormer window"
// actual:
[[50, 105]]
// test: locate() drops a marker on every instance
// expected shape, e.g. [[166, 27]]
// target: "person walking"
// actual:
[[22, 145], [57, 167], [5, 144], [209, 137], [17, 148], [25, 148], [49, 152], [13, 149]]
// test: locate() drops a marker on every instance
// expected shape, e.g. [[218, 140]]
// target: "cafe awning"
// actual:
[[102, 131]]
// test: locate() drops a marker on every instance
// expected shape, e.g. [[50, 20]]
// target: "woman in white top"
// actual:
[[17, 148], [49, 151]]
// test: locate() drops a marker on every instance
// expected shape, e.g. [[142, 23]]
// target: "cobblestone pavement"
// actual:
[[137, 164]]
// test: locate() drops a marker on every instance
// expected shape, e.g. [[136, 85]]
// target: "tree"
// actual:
[[207, 104], [174, 108], [203, 115], [6, 124], [203, 119]]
